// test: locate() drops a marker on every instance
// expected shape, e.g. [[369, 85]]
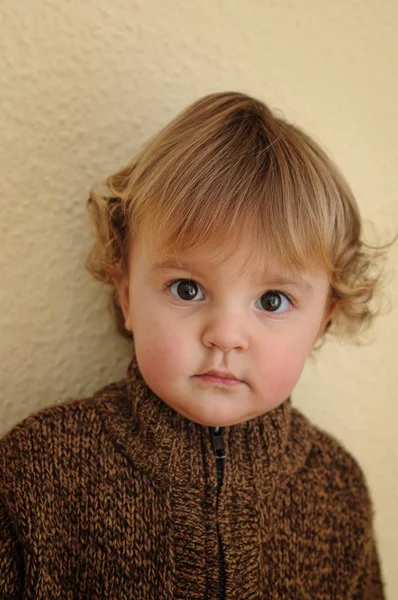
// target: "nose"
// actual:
[[226, 332]]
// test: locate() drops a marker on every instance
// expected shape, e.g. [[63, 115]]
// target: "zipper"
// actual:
[[216, 434]]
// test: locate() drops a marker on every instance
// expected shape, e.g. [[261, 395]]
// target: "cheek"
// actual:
[[161, 352], [285, 375], [280, 366]]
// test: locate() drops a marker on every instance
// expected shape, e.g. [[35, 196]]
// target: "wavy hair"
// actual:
[[227, 169]]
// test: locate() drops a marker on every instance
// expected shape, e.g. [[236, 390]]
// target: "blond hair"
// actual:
[[227, 169]]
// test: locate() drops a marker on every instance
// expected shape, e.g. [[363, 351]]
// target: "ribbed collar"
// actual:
[[169, 446]]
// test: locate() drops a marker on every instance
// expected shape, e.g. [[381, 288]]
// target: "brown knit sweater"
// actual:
[[117, 496]]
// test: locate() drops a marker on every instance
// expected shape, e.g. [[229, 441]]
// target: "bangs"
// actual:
[[227, 170], [261, 221]]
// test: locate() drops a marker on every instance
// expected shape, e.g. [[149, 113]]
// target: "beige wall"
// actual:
[[83, 83]]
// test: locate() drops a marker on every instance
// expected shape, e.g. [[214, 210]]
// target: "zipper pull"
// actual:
[[218, 442]]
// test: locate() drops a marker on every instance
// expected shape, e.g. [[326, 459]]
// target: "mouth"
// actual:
[[220, 378]]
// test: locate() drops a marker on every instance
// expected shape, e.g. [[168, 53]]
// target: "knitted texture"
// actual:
[[115, 496]]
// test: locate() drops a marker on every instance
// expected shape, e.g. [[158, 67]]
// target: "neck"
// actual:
[[174, 443]]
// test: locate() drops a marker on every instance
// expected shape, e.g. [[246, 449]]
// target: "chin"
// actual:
[[201, 419], [214, 421]]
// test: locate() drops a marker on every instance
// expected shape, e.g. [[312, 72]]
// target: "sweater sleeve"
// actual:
[[374, 587], [370, 584], [10, 559]]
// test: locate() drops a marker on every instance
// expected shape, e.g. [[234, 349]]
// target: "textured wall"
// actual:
[[82, 84]]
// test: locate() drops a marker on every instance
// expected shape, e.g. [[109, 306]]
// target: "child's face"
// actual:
[[225, 320]]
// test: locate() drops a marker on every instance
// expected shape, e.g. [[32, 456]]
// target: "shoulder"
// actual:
[[52, 435], [66, 412], [56, 460], [331, 472], [333, 512]]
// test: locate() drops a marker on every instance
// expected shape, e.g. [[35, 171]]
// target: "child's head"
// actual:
[[232, 242]]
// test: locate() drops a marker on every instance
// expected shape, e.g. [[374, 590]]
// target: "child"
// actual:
[[232, 243]]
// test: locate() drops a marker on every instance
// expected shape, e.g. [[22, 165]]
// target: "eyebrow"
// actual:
[[170, 264], [299, 282], [269, 280]]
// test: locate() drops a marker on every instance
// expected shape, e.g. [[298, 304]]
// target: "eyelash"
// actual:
[[287, 296]]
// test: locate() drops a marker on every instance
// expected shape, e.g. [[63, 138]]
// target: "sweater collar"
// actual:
[[169, 446]]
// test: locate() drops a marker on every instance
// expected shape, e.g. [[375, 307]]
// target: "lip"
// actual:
[[220, 378], [221, 374]]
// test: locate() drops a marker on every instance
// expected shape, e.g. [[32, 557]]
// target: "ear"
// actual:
[[329, 312], [123, 292]]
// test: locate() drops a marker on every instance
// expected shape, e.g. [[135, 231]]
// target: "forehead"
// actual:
[[241, 258], [207, 263]]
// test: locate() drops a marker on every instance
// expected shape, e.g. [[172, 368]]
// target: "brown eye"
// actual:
[[184, 289], [273, 301]]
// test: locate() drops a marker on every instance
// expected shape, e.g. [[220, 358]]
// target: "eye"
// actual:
[[275, 302], [185, 289]]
